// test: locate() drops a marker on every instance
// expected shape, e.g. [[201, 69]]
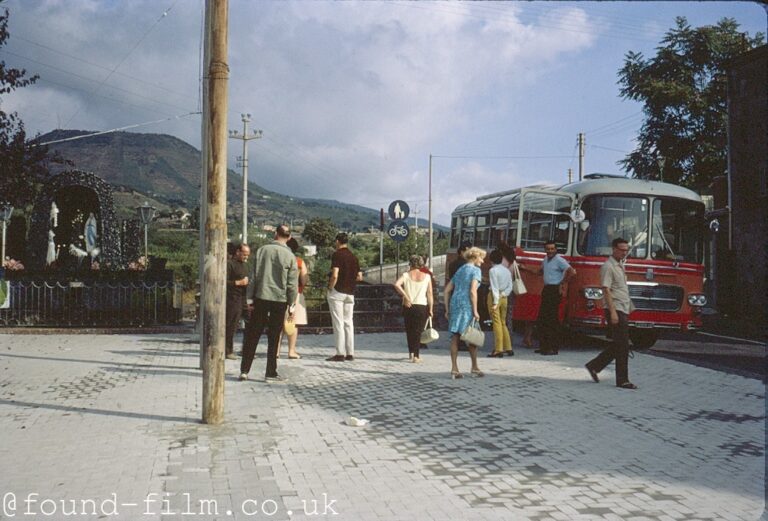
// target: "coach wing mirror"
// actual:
[[584, 225], [714, 225], [577, 215]]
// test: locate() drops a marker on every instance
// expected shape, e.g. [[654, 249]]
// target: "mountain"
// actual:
[[166, 171]]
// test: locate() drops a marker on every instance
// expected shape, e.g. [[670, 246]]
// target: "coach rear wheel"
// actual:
[[643, 338]]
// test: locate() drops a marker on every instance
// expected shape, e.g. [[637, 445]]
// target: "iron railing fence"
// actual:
[[91, 303], [378, 307]]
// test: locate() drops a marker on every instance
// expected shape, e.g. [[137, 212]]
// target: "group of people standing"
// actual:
[[461, 304], [272, 296]]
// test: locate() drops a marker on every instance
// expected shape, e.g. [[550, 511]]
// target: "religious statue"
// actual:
[[52, 254], [54, 214], [91, 233]]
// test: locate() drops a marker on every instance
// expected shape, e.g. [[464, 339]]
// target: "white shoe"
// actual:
[[243, 377]]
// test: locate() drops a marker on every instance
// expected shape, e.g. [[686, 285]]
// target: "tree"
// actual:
[[408, 247], [23, 166], [684, 90], [321, 232]]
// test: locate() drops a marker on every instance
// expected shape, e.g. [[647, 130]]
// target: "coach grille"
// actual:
[[659, 297]]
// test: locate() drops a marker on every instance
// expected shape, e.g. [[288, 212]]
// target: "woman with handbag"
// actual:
[[415, 287], [461, 310], [300, 309], [518, 288]]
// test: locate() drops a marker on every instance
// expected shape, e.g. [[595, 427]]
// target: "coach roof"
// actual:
[[592, 184]]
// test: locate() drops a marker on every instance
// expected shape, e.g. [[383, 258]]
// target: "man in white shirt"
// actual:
[[501, 286]]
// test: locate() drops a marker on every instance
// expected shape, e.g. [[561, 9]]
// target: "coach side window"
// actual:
[[545, 217], [499, 224], [454, 232], [483, 230]]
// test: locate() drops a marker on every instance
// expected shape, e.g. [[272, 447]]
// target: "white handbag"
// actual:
[[473, 335], [429, 334], [518, 286]]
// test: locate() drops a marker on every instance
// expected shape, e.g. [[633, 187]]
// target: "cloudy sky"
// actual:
[[353, 97]]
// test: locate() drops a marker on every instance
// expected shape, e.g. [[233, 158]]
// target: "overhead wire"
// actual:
[[447, 8], [609, 148], [601, 20], [97, 65], [74, 138], [619, 128], [501, 157], [85, 78], [597, 129], [121, 101], [135, 46]]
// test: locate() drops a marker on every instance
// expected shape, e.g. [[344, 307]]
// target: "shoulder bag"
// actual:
[[473, 335], [429, 334], [518, 286]]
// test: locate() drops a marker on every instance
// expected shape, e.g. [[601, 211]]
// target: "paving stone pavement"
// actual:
[[111, 424]]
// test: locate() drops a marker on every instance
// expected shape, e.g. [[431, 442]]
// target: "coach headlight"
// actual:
[[593, 293], [697, 299]]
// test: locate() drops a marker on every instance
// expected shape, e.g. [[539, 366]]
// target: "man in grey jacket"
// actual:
[[272, 288]]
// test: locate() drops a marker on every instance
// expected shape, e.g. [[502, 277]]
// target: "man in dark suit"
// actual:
[[237, 283]]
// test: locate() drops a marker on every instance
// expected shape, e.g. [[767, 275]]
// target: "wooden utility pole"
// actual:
[[214, 266]]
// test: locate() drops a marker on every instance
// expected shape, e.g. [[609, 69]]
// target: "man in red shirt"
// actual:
[[345, 274]]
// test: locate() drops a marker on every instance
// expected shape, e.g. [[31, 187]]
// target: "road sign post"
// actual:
[[398, 229]]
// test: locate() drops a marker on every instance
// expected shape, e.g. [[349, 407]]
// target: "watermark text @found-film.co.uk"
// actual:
[[33, 505]]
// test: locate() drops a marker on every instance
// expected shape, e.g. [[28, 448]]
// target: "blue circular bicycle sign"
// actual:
[[398, 230]]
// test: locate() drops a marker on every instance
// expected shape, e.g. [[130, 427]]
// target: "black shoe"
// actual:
[[547, 353], [537, 350], [496, 355], [335, 358], [349, 358], [593, 374]]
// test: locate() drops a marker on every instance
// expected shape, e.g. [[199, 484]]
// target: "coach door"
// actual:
[[544, 215]]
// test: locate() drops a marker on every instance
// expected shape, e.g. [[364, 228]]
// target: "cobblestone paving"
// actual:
[[115, 419]]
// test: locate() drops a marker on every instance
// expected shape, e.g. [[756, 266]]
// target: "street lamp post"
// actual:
[[146, 213], [5, 214], [245, 137], [660, 160], [429, 216]]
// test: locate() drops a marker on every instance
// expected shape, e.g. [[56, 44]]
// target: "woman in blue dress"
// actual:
[[461, 306]]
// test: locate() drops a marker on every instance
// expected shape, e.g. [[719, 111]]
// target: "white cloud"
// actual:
[[350, 95]]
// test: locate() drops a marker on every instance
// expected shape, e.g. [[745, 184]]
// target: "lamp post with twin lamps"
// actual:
[[245, 137], [660, 160], [5, 215], [146, 213]]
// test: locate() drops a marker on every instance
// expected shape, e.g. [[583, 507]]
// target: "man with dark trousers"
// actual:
[[237, 284], [618, 306], [556, 272], [272, 288]]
